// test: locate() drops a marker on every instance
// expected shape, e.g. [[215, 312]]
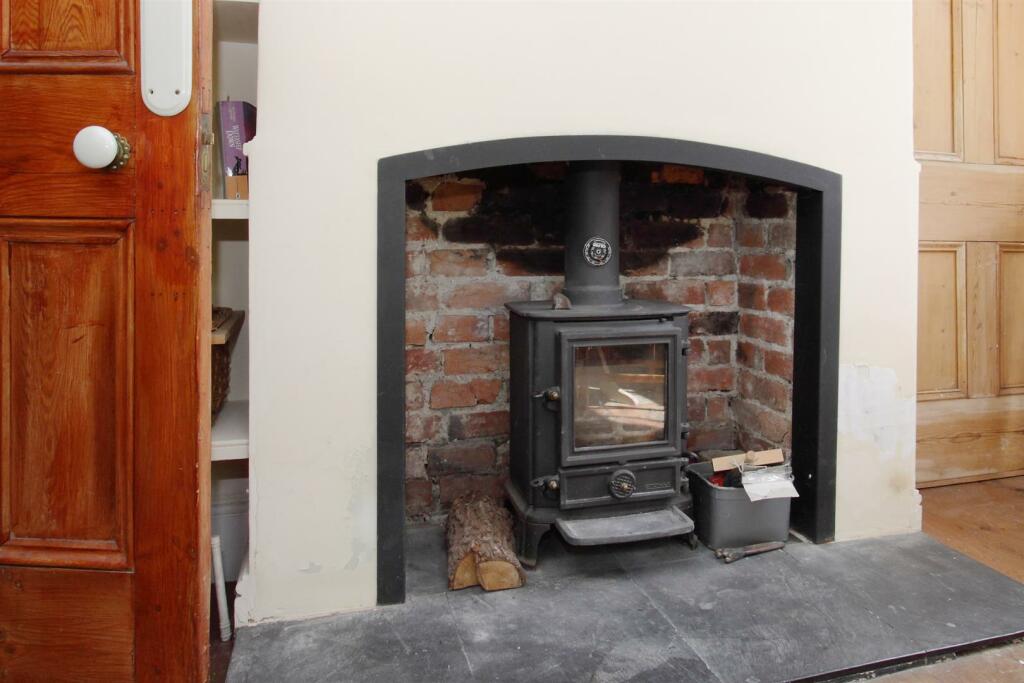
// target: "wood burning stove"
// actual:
[[597, 393]]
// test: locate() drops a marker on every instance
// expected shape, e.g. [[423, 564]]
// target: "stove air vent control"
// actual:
[[622, 484]]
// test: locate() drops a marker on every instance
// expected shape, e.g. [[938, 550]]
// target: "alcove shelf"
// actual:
[[230, 209], [230, 434], [234, 70]]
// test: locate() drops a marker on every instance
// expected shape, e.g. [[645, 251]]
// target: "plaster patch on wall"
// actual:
[[876, 492], [872, 408]]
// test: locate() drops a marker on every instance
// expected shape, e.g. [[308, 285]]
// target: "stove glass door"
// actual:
[[619, 394]]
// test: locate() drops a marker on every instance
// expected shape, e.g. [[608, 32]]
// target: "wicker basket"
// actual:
[[226, 326]]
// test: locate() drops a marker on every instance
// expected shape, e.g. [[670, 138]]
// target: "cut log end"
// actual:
[[481, 546]]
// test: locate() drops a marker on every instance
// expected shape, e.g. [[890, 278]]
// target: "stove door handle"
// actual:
[[553, 394]]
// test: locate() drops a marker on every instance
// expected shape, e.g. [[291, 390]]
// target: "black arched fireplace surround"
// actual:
[[815, 334]]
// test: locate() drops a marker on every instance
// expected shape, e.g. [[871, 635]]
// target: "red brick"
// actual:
[[415, 263], [421, 360], [752, 296], [461, 456], [478, 360], [720, 234], [747, 353], [464, 394], [457, 485], [702, 262], [682, 175], [769, 392], [421, 427], [420, 296], [456, 196], [644, 262], [472, 425], [695, 409], [710, 379], [500, 326], [703, 439], [419, 497], [414, 396], [778, 364], [721, 293], [416, 462], [764, 266], [415, 332], [486, 295], [750, 235], [696, 353], [767, 205], [719, 351], [781, 301], [460, 328], [418, 229], [675, 291], [528, 261], [458, 262], [771, 425], [782, 236], [770, 330], [718, 408]]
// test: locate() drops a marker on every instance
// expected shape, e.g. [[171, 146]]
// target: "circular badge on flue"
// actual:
[[597, 251]]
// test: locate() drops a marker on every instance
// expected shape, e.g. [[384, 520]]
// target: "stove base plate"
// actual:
[[641, 526]]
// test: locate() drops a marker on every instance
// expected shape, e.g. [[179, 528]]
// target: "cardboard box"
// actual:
[[236, 187], [728, 462]]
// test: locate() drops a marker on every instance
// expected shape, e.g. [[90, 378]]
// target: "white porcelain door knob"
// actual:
[[97, 147]]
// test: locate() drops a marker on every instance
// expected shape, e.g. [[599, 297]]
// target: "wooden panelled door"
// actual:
[[969, 136], [104, 353]]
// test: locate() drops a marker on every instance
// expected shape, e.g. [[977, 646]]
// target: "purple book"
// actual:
[[237, 126]]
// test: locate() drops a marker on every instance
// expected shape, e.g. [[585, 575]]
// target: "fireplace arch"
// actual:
[[815, 335]]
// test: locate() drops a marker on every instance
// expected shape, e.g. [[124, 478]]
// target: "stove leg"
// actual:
[[528, 535]]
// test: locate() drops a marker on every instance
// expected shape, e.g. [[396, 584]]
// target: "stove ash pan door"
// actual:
[[623, 392]]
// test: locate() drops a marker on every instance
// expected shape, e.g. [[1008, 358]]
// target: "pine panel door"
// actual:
[[969, 135], [104, 353]]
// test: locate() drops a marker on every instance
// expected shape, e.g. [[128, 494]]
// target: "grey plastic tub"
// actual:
[[726, 517]]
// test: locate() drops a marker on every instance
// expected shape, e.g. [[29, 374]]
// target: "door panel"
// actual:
[[1009, 68], [67, 35], [942, 321], [65, 290], [104, 357], [982, 319], [35, 142], [1011, 318], [92, 640], [938, 130]]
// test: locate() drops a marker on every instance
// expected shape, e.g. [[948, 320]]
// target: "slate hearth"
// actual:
[[651, 612]]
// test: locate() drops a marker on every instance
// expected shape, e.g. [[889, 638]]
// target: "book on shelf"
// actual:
[[237, 127]]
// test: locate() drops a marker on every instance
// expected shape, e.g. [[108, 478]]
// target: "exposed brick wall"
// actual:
[[482, 238]]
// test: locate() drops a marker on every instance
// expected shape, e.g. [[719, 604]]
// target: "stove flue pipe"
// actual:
[[592, 234]]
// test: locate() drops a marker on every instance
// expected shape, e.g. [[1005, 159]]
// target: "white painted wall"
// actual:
[[342, 84]]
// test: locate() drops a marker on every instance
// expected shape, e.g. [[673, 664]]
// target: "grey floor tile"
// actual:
[[426, 561], [661, 551], [572, 628], [760, 619], [648, 613], [926, 591], [412, 642]]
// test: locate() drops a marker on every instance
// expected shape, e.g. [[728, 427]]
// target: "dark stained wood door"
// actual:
[[104, 357]]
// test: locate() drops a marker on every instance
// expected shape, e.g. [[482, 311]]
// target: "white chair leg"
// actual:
[[222, 592]]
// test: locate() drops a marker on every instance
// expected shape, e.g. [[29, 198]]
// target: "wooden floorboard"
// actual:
[[1003, 664], [983, 520]]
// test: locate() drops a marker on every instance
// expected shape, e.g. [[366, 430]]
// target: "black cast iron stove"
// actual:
[[597, 393]]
